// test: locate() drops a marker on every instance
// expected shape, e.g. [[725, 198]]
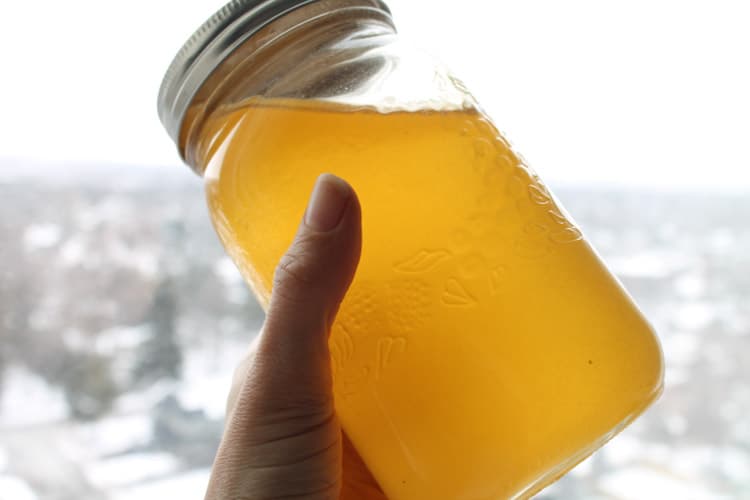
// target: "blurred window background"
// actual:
[[121, 318]]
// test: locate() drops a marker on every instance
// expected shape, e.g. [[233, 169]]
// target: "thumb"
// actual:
[[282, 438], [310, 281]]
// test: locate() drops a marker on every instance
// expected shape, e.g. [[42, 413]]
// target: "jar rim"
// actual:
[[210, 45]]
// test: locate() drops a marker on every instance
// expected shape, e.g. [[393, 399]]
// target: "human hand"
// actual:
[[282, 438]]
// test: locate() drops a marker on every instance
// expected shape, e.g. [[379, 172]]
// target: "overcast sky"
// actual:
[[653, 93]]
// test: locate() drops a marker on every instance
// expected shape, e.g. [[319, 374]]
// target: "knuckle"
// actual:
[[293, 268], [298, 266]]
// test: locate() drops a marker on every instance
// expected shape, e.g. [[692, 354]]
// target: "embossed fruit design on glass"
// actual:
[[483, 349]]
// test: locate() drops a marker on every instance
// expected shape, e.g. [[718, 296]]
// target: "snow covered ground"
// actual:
[[115, 363]]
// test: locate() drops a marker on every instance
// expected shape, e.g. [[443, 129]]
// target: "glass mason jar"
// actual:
[[483, 348]]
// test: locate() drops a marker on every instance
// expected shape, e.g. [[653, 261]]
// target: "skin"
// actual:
[[282, 438]]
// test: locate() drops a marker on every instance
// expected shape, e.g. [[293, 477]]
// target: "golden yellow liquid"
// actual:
[[483, 348]]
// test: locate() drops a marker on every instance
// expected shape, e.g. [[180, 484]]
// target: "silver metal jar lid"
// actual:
[[213, 42]]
